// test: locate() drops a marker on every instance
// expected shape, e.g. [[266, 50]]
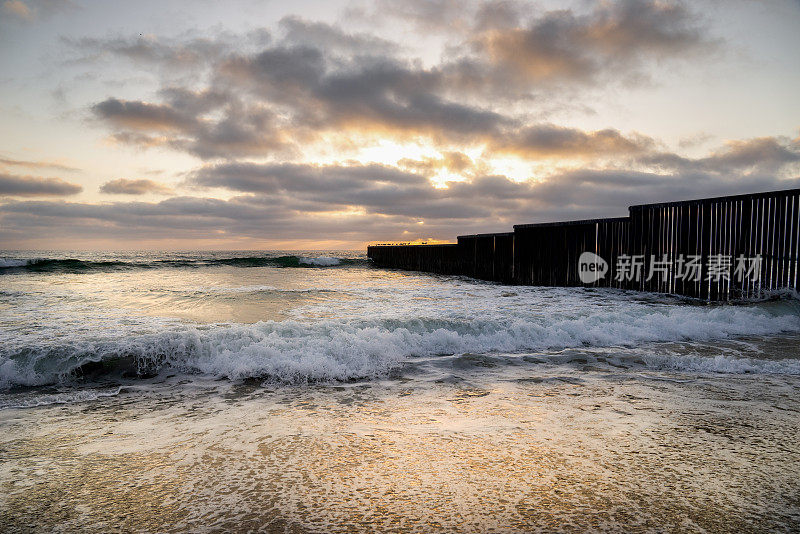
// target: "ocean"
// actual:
[[313, 392]]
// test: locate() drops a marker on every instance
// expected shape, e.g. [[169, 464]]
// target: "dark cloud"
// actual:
[[593, 193], [124, 186], [759, 155], [358, 203], [138, 115], [497, 14], [319, 81], [34, 186], [320, 86], [288, 177], [390, 209], [481, 198], [185, 123], [189, 218], [550, 140], [518, 47], [287, 95], [375, 93], [615, 38], [372, 188], [763, 153]]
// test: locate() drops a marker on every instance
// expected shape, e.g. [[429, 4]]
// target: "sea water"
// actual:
[[313, 392]]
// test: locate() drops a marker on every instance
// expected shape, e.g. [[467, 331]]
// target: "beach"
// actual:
[[291, 393]]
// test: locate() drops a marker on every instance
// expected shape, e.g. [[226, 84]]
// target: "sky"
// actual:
[[177, 125]]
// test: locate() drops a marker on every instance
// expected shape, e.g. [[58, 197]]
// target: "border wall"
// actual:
[[713, 249]]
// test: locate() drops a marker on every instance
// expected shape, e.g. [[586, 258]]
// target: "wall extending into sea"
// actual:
[[720, 248]]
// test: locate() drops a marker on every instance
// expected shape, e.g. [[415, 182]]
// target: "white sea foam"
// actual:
[[351, 325], [71, 397], [10, 262], [293, 351], [693, 363], [321, 261]]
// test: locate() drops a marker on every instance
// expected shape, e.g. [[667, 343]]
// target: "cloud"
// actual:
[[36, 164], [614, 39], [352, 203], [274, 209], [188, 51], [426, 15], [254, 177], [32, 9], [453, 161], [138, 115], [124, 186], [258, 107], [327, 37], [695, 140], [318, 82], [478, 200], [34, 186], [372, 188], [17, 9], [607, 190], [764, 153], [759, 155], [193, 219], [365, 93], [205, 123], [512, 42], [285, 96], [550, 140]]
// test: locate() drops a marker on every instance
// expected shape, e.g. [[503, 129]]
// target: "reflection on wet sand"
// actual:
[[563, 452]]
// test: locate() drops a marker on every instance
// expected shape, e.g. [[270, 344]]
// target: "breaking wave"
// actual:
[[71, 265], [336, 350], [58, 265]]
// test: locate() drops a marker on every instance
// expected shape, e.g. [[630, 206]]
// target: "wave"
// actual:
[[283, 261], [57, 265], [723, 364], [70, 397], [321, 261], [11, 263], [71, 265], [330, 350]]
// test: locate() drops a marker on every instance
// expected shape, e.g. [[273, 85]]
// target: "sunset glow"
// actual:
[[293, 125]]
